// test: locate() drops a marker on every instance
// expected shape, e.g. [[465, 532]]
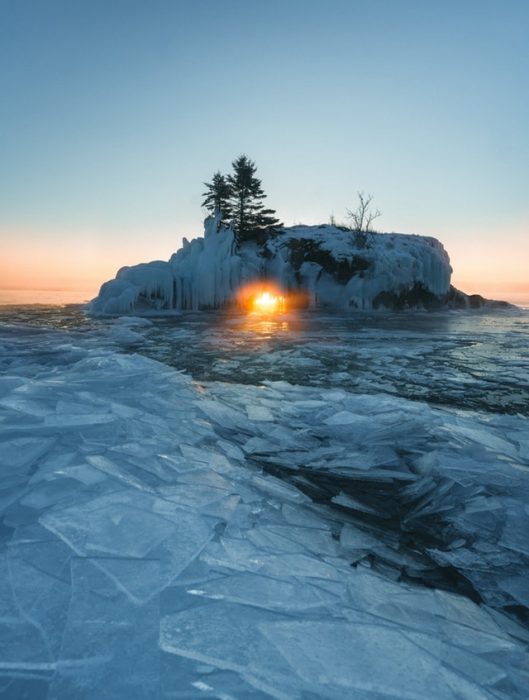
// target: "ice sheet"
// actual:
[[162, 538], [109, 646]]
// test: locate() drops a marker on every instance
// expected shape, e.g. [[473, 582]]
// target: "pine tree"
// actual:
[[251, 218], [217, 197]]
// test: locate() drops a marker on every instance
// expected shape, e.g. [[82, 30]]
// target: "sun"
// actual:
[[268, 303], [262, 298]]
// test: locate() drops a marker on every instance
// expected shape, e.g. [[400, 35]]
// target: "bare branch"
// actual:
[[362, 217], [371, 217]]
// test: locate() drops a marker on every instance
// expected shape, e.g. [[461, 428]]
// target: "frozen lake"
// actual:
[[224, 506], [475, 360]]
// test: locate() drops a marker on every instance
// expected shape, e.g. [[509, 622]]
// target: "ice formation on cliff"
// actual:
[[331, 266]]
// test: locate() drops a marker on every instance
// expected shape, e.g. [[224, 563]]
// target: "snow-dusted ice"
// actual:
[[222, 507]]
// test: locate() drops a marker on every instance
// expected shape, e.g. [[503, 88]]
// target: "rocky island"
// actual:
[[246, 252], [315, 266]]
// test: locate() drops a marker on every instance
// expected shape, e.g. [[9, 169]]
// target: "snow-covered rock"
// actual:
[[321, 266]]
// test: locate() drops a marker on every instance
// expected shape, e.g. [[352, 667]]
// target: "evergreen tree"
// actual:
[[251, 218], [217, 197]]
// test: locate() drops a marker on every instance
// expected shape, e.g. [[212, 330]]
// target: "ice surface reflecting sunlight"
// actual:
[[255, 326]]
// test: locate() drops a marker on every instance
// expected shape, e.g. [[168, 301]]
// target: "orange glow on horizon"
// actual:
[[58, 262], [489, 264], [80, 261], [59, 266]]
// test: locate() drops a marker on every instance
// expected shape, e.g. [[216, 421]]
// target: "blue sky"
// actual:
[[114, 112]]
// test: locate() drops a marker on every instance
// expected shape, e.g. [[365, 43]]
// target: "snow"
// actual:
[[327, 265], [163, 539]]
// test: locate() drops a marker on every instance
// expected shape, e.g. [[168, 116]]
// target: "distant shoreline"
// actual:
[[10, 297]]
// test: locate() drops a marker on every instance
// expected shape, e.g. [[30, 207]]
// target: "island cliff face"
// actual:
[[320, 266]]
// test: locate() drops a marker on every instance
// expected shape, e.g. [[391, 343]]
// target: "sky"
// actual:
[[113, 113]]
